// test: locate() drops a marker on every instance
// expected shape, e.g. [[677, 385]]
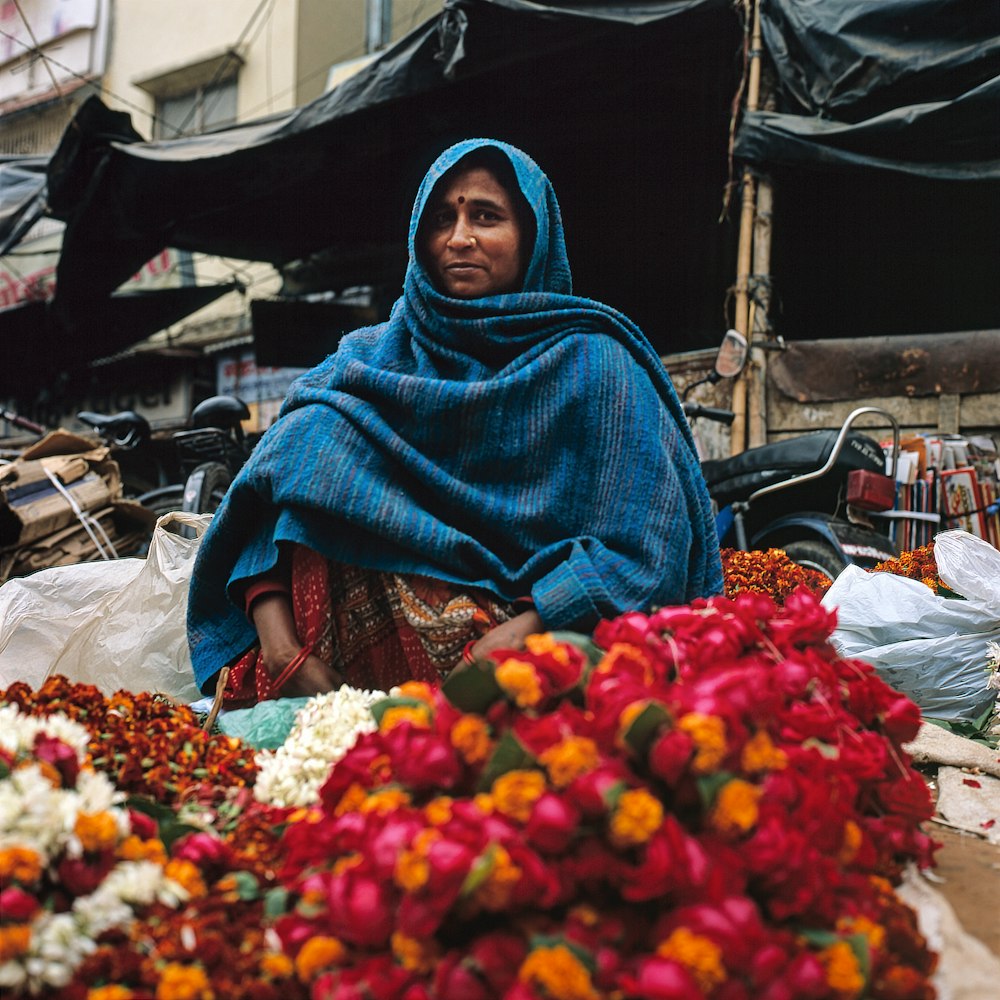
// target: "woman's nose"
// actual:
[[461, 235]]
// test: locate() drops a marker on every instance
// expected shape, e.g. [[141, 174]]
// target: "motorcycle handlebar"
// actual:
[[695, 410]]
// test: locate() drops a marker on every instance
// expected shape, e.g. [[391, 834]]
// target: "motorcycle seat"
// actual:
[[735, 478]]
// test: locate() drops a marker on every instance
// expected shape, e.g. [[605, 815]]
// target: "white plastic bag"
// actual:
[[116, 624], [932, 648]]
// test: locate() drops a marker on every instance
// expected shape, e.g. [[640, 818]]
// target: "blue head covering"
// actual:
[[528, 443]]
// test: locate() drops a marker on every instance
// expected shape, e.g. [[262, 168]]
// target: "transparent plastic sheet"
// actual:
[[264, 726], [116, 624], [932, 648]]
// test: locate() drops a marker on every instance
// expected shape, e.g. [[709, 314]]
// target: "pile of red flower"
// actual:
[[711, 804]]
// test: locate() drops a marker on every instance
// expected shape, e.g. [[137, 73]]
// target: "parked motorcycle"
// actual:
[[810, 495]]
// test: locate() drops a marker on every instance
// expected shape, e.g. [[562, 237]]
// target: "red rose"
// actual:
[[457, 978], [143, 826], [498, 955], [80, 877], [552, 824], [60, 755], [16, 904], [360, 908], [202, 849], [663, 979], [669, 755]]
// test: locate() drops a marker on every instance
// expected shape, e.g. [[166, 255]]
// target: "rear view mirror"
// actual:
[[732, 355]]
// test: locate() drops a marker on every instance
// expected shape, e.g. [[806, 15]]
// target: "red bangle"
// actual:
[[296, 661], [467, 656]]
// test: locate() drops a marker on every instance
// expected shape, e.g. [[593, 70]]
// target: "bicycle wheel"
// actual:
[[205, 488]]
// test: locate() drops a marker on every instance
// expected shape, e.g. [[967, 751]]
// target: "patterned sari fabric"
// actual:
[[528, 443], [376, 629]]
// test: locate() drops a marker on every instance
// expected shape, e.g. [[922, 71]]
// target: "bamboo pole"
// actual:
[[759, 308], [741, 319]]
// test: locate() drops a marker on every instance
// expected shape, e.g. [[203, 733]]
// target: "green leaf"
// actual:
[[819, 938], [644, 727], [709, 786], [613, 794], [828, 751], [246, 885], [275, 902], [480, 870], [584, 643], [381, 707], [557, 940], [471, 687], [510, 755]]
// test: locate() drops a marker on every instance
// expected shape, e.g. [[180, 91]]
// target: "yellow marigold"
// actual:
[[760, 754], [843, 973], [420, 690], [625, 653], [386, 801], [418, 715], [307, 814], [470, 736], [874, 933], [417, 956], [851, 842], [186, 875], [345, 862], [20, 864], [567, 760], [558, 973], [412, 867], [110, 993], [14, 940], [48, 771], [700, 955], [96, 831], [438, 811], [494, 893], [134, 848], [520, 681], [735, 809], [484, 803], [516, 792], [276, 965], [352, 800], [637, 816], [542, 643], [318, 954], [708, 732], [183, 982]]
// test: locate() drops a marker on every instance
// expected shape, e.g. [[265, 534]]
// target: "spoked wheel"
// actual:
[[820, 556]]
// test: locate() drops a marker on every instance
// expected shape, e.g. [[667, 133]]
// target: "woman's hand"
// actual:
[[509, 635], [279, 645]]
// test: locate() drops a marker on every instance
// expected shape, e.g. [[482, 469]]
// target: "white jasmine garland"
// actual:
[[324, 730], [18, 731]]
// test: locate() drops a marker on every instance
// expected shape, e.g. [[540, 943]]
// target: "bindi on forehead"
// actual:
[[461, 199]]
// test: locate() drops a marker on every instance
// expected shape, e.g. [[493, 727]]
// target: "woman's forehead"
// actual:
[[473, 183]]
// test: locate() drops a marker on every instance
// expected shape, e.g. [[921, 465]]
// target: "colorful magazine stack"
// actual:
[[945, 481]]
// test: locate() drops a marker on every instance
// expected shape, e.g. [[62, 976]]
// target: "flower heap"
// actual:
[[146, 744], [769, 572], [715, 806], [75, 863], [918, 564]]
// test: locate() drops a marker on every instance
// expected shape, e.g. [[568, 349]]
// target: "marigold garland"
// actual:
[[917, 564], [770, 572]]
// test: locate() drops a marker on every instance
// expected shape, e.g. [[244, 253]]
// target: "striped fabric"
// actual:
[[529, 442]]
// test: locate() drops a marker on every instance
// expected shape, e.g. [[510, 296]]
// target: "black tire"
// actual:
[[205, 488], [164, 499], [817, 555]]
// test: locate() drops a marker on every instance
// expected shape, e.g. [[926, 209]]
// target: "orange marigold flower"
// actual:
[[484, 803], [20, 864], [516, 792], [558, 973], [520, 681], [624, 652], [700, 955], [14, 940], [134, 848], [110, 993], [317, 954], [585, 914], [760, 754], [420, 690], [346, 862], [438, 811], [183, 982], [386, 801], [96, 831], [567, 760], [851, 842], [352, 800], [412, 869], [417, 956], [276, 965], [470, 736], [494, 894], [187, 876], [417, 715], [735, 808], [708, 732], [637, 816], [843, 973], [874, 933], [543, 643]]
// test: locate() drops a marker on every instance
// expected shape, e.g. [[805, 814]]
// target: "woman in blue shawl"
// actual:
[[500, 458]]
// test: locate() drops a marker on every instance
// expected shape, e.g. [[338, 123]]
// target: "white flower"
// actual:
[[57, 947], [993, 682], [324, 730], [35, 814], [18, 731]]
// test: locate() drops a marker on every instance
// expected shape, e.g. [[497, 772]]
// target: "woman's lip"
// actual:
[[463, 266]]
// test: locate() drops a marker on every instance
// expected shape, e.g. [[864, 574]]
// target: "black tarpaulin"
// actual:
[[910, 86], [36, 343], [22, 196]]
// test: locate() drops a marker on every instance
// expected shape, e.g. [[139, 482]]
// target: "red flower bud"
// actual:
[[202, 849], [60, 755], [662, 979], [457, 979], [143, 826], [552, 824], [16, 904]]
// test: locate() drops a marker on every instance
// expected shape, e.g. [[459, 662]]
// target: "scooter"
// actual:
[[809, 495]]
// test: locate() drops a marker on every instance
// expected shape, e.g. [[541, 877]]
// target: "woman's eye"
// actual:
[[485, 215], [442, 218]]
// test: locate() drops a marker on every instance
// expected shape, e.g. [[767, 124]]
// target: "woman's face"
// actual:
[[471, 237]]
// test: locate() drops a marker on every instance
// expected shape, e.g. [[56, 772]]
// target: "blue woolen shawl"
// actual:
[[529, 442]]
